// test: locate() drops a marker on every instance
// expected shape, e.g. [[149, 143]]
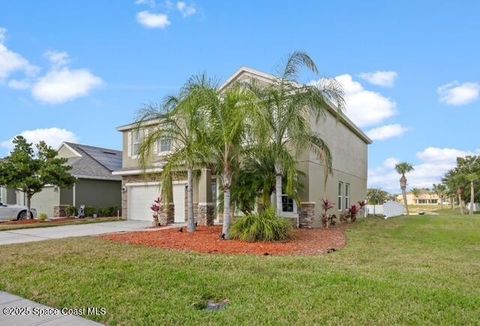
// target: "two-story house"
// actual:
[[348, 184]]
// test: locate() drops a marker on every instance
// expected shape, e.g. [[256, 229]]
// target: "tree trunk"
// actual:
[[227, 182], [451, 202], [29, 209], [190, 216], [226, 214], [472, 197], [460, 202], [404, 193], [441, 202], [278, 193], [403, 186]]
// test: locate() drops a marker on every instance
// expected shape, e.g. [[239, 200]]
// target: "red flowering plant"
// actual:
[[327, 219], [353, 212], [155, 208]]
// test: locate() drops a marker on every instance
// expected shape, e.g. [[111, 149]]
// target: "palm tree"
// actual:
[[227, 120], [456, 182], [376, 196], [440, 190], [181, 120], [402, 169], [416, 193], [469, 167], [284, 118]]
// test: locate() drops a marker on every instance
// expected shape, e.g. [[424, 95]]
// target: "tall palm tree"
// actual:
[[284, 119], [180, 119], [470, 168], [402, 169], [227, 116]]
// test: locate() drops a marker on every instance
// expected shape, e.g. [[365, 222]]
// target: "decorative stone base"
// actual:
[[60, 211], [205, 214], [166, 214], [306, 215]]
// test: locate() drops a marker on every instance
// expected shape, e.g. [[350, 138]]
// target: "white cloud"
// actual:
[[11, 62], [64, 84], [433, 163], [151, 20], [386, 132], [365, 108], [185, 9], [456, 94], [54, 137], [380, 78], [151, 3], [19, 84], [57, 58]]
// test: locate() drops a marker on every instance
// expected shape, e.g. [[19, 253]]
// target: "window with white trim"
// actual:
[[347, 196], [288, 204], [340, 195], [137, 139], [164, 145]]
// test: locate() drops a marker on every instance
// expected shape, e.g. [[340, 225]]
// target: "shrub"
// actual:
[[89, 211], [71, 211], [42, 217], [265, 226]]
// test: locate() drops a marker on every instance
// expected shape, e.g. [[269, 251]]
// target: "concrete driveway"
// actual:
[[67, 231]]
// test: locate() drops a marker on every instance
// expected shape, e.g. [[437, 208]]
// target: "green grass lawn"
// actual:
[[50, 223], [406, 270]]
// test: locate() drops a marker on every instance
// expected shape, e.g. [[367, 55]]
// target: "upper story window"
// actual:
[[340, 195], [164, 145], [136, 141]]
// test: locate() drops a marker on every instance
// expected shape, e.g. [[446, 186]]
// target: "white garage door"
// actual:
[[140, 199], [179, 202]]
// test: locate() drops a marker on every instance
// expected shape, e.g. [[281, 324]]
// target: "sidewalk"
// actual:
[[32, 313]]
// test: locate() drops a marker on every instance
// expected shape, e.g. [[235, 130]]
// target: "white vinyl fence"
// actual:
[[476, 207], [389, 209]]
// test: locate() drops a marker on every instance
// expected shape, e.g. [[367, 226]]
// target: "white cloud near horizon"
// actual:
[[386, 132], [380, 78], [434, 162], [365, 108], [456, 94], [186, 9], [151, 20], [54, 137]]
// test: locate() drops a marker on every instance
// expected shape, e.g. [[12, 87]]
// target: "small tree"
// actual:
[[29, 171], [376, 196]]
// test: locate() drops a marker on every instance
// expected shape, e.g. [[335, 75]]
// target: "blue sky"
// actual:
[[410, 68]]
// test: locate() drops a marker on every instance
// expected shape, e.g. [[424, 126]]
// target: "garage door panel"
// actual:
[[140, 199]]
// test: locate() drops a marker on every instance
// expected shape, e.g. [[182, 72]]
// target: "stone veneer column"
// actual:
[[306, 214], [205, 209]]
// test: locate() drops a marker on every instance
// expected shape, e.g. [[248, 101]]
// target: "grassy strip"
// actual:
[[406, 270], [47, 224]]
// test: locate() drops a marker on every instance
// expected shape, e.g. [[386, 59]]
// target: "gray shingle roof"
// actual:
[[95, 162]]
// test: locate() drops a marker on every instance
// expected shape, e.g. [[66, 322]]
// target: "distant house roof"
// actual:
[[93, 162]]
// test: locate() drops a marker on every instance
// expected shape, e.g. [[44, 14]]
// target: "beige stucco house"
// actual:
[[424, 198], [347, 185]]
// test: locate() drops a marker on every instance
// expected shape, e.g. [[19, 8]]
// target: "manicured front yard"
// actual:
[[415, 270]]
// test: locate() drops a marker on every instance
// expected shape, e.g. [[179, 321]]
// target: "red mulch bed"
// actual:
[[207, 240], [35, 221]]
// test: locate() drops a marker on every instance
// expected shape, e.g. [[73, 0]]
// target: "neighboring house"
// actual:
[[95, 185], [348, 184], [424, 198]]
